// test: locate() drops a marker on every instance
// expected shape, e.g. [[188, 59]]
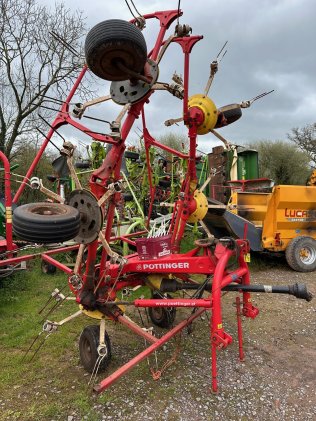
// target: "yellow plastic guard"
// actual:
[[209, 110]]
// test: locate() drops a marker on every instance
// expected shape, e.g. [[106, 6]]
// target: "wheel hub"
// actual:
[[307, 255], [200, 207], [207, 106], [124, 92], [91, 217]]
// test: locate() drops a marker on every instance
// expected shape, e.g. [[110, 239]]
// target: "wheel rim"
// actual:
[[44, 267], [48, 210], [157, 313], [307, 255]]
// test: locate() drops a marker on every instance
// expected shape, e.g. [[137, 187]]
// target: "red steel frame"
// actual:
[[113, 277], [9, 245]]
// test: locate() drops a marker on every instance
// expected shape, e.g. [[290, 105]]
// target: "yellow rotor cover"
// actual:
[[201, 207], [209, 110], [96, 314], [154, 281]]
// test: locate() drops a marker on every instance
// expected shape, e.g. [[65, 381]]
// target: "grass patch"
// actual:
[[53, 385], [39, 395]]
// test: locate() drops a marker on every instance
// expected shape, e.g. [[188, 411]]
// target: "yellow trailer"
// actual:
[[285, 221]]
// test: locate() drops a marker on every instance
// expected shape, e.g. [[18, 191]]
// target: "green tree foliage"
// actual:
[[179, 142], [283, 162], [305, 139]]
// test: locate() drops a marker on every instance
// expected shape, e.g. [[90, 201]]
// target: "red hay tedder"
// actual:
[[116, 50]]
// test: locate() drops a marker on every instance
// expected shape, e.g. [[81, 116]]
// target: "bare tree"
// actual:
[[33, 64], [305, 139]]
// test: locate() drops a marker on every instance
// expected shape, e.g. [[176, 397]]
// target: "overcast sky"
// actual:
[[270, 46]]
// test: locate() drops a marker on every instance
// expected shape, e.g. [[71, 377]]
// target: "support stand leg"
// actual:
[[214, 368], [239, 330]]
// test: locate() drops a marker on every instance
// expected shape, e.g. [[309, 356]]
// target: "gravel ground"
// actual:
[[276, 381]]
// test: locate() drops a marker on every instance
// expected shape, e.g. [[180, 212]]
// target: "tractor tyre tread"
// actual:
[[292, 254], [131, 155], [164, 183], [167, 314], [83, 165], [48, 268], [88, 348], [30, 225], [231, 116], [123, 40]]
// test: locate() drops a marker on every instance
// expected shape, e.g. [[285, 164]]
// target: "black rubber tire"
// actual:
[[48, 268], [231, 116], [83, 164], [164, 183], [294, 254], [162, 316], [51, 178], [124, 169], [131, 155], [88, 348], [115, 40], [128, 197], [46, 222]]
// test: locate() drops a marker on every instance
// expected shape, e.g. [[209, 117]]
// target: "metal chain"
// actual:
[[157, 374]]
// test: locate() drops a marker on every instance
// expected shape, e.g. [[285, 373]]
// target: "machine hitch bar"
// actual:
[[298, 290]]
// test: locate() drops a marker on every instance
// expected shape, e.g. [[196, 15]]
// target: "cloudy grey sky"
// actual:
[[270, 46]]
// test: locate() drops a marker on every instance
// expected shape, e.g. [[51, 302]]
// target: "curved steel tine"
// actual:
[[51, 298], [39, 347], [221, 51], [31, 346], [56, 305]]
